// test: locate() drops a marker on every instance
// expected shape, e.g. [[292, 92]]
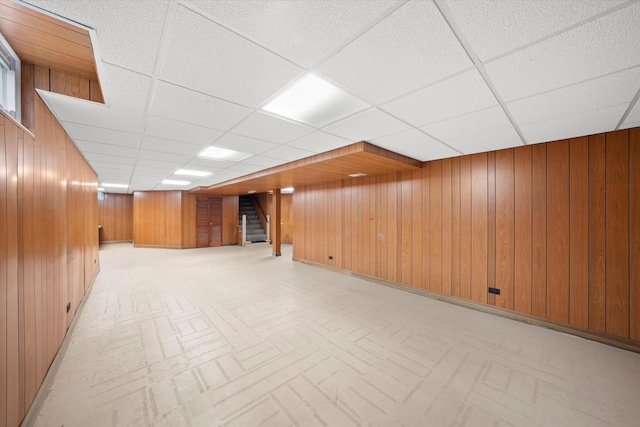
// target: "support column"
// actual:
[[277, 219]]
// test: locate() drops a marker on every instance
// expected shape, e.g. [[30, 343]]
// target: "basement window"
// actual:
[[9, 80]]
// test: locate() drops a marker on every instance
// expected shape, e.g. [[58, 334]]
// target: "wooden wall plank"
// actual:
[[617, 232], [634, 234], [455, 226], [579, 232], [597, 228], [465, 227], [416, 221], [523, 229], [539, 235], [5, 279], [558, 231], [435, 226], [505, 228], [406, 231], [446, 226], [491, 224], [479, 227], [116, 217], [426, 230]]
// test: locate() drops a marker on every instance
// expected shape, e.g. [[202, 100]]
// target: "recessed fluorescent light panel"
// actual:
[[174, 182], [218, 153], [188, 172], [357, 175], [107, 185], [315, 102], [287, 190]]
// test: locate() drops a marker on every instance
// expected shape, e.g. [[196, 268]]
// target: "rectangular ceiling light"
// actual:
[[174, 182], [218, 153], [315, 102], [107, 185], [188, 172]]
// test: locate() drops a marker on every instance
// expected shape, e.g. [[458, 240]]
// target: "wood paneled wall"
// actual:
[[230, 212], [48, 249], [116, 217], [265, 200], [554, 226]]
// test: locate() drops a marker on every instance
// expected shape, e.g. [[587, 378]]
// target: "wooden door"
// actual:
[[208, 222]]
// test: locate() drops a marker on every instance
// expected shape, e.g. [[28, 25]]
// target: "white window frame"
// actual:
[[9, 80]]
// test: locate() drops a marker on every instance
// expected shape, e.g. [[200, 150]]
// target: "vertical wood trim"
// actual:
[[446, 226], [634, 234], [579, 232], [426, 231], [455, 226], [416, 221], [617, 233], [407, 233], [558, 231], [479, 227], [505, 228], [597, 228], [277, 213], [465, 227], [435, 225], [539, 236], [523, 229], [491, 224]]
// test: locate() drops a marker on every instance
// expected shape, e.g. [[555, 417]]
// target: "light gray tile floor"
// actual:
[[232, 336]]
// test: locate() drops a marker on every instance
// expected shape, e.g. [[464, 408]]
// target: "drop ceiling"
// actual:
[[436, 79]]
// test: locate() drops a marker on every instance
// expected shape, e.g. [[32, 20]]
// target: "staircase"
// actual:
[[255, 231]]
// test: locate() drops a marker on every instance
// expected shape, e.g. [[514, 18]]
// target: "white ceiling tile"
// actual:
[[367, 126], [164, 157], [194, 107], [288, 153], [416, 145], [483, 121], [170, 146], [634, 116], [453, 97], [600, 47], [231, 68], [489, 141], [104, 136], [409, 49], [587, 123], [156, 165], [124, 88], [112, 168], [76, 110], [495, 27], [269, 128], [98, 148], [111, 158], [263, 162], [244, 144], [243, 168], [208, 164], [319, 142], [303, 32], [128, 31], [595, 94], [628, 125], [163, 127]]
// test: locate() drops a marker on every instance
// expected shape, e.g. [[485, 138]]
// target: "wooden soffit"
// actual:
[[44, 40], [334, 165]]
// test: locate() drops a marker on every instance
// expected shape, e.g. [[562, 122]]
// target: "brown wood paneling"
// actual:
[[491, 224], [558, 231], [406, 232], [455, 227], [479, 227], [426, 230], [70, 85], [465, 227], [116, 217], [27, 85], [579, 232], [634, 234], [435, 226], [230, 206], [446, 226], [505, 228], [539, 234], [523, 229], [617, 232], [416, 224], [287, 217], [597, 228]]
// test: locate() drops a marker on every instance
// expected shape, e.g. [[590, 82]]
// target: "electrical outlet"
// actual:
[[495, 291], [330, 256]]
